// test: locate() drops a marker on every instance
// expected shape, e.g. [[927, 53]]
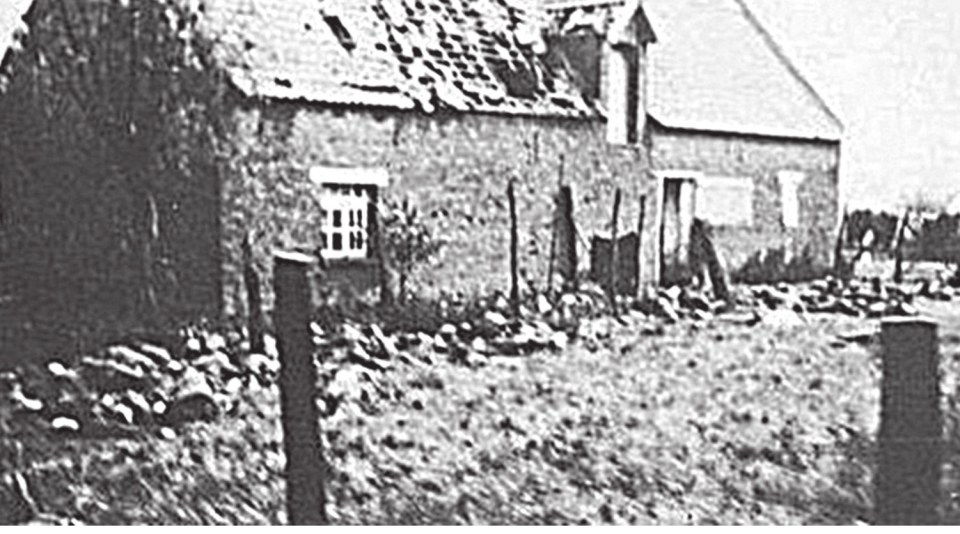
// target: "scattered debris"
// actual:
[[162, 388], [65, 424]]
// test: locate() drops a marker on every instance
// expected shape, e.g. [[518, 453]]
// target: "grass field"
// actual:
[[709, 424]]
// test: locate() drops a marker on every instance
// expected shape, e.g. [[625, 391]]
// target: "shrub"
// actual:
[[408, 243]]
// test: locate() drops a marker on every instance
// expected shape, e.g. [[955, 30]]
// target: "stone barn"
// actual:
[[291, 123], [437, 102], [740, 139]]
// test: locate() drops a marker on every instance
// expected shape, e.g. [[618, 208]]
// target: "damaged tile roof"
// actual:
[[613, 19], [715, 68], [464, 55]]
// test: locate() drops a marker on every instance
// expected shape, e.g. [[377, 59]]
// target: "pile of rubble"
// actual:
[[143, 385], [872, 298], [675, 304], [125, 387], [134, 386]]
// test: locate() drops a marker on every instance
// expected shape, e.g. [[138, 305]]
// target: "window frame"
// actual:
[[790, 181], [365, 183], [662, 176], [748, 213]]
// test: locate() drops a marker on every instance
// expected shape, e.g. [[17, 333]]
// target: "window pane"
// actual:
[[725, 200], [790, 182], [345, 211]]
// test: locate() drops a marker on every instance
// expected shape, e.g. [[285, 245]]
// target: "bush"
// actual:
[[408, 243]]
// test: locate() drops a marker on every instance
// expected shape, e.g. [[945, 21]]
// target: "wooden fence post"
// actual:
[[708, 254], [251, 280], [899, 236], [839, 264], [640, 224], [514, 243], [567, 239], [306, 501], [910, 441], [615, 250]]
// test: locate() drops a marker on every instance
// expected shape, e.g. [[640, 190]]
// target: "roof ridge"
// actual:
[[782, 57]]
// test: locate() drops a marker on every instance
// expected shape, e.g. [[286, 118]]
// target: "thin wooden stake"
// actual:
[[910, 440], [514, 243], [708, 253], [560, 171], [251, 280], [567, 239], [614, 250], [306, 500], [640, 224], [898, 247], [839, 264], [379, 241], [557, 226]]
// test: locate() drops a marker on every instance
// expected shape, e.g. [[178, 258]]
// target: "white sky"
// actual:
[[9, 19], [891, 70]]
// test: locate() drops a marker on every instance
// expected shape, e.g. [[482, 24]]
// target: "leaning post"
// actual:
[[251, 281], [640, 222], [567, 239], [306, 501], [911, 436], [615, 252], [514, 253]]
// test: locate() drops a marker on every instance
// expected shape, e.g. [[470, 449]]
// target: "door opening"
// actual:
[[677, 209]]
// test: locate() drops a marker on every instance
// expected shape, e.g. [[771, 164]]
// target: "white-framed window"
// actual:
[[789, 197], [347, 205], [725, 200]]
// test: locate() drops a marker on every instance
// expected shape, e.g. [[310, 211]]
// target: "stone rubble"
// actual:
[[143, 385]]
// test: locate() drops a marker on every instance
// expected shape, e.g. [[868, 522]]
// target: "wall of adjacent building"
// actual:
[[454, 168], [762, 159]]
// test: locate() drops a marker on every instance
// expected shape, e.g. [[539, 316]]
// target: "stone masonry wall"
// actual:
[[762, 158], [453, 167]]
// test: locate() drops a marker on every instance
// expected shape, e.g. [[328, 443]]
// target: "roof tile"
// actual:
[[402, 53]]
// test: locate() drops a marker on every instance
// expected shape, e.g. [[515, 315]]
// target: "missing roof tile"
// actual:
[[562, 101], [519, 80], [340, 31]]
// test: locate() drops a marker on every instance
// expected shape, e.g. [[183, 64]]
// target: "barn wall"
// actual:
[[453, 168], [761, 158]]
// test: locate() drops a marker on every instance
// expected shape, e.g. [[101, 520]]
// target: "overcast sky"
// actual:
[[891, 70]]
